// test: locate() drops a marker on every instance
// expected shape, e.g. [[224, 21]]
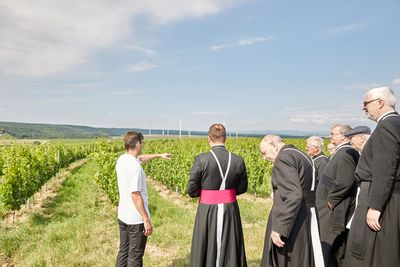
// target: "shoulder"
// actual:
[[203, 156], [128, 160], [389, 124], [237, 158], [346, 152], [290, 154], [295, 153], [322, 158]]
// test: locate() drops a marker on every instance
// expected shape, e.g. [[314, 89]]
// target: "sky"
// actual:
[[249, 64]]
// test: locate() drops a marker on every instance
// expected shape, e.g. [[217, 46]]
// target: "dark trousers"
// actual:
[[132, 245]]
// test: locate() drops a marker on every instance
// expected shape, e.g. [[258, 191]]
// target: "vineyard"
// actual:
[[24, 168], [175, 173], [59, 221]]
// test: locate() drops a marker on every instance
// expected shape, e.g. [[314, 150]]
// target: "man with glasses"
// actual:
[[335, 197], [375, 230]]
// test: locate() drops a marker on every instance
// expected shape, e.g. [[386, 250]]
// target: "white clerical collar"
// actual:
[[341, 144], [384, 114], [218, 145]]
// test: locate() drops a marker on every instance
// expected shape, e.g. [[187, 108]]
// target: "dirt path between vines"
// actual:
[[43, 196]]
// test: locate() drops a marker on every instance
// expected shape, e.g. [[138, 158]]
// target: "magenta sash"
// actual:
[[218, 196]]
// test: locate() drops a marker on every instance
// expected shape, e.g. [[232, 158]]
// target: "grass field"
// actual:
[[78, 227]]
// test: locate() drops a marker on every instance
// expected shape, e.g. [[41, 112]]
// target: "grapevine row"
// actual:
[[24, 169], [174, 173]]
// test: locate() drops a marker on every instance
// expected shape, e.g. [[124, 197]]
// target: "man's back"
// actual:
[[206, 174]]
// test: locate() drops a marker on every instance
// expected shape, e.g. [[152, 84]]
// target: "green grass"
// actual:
[[76, 228], [79, 228], [254, 215]]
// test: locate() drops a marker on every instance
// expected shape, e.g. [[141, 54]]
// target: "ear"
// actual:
[[381, 103]]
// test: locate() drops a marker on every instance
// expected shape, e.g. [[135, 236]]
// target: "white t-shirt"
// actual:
[[131, 178]]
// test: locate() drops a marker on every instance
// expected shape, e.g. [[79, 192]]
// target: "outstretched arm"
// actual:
[[148, 157]]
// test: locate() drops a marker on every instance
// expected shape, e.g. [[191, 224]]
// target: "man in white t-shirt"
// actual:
[[133, 212]]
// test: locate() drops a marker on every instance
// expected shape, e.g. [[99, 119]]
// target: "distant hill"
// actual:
[[21, 130], [53, 131]]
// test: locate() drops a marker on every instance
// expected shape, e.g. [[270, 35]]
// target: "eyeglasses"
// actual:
[[332, 133], [368, 102]]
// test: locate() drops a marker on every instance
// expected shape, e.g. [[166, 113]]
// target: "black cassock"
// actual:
[[320, 162], [293, 214], [206, 175], [378, 173], [338, 187]]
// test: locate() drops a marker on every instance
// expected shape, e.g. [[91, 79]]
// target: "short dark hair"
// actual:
[[217, 132], [131, 138]]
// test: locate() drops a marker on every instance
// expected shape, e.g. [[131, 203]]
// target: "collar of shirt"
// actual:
[[384, 114], [218, 145], [342, 144], [319, 155]]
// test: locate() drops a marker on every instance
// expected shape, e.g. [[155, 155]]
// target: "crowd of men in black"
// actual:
[[354, 194], [341, 210]]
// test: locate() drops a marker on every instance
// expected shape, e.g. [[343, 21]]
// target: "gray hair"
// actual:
[[343, 128], [316, 141], [271, 139], [384, 93]]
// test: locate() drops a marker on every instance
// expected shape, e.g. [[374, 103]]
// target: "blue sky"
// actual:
[[250, 64]]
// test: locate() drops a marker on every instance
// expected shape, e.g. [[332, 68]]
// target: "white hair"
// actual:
[[384, 93], [271, 139], [316, 141]]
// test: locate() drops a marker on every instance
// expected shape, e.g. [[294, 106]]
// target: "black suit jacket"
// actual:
[[379, 162], [291, 175]]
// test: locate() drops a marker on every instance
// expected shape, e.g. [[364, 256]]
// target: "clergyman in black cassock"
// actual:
[[335, 197], [314, 150], [320, 162], [217, 234], [292, 237], [374, 239]]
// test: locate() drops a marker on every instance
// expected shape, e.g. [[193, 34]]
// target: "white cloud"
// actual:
[[242, 42], [162, 11], [85, 85], [346, 28], [118, 93], [208, 113], [49, 37], [252, 41], [141, 66], [299, 120], [352, 115], [145, 50], [396, 81], [218, 47], [39, 39]]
